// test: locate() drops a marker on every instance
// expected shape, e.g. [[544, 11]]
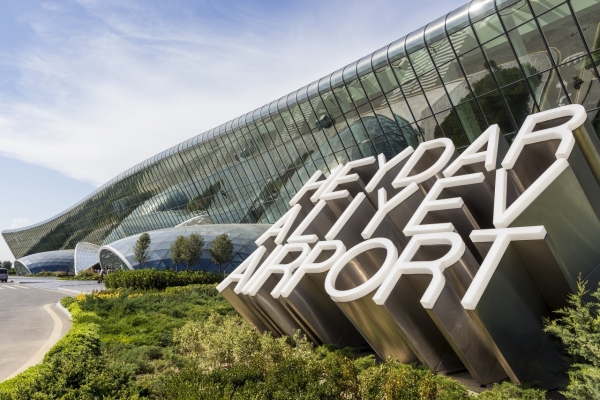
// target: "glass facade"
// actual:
[[488, 62], [119, 255], [50, 261]]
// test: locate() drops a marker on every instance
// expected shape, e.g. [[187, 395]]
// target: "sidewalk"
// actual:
[[49, 283]]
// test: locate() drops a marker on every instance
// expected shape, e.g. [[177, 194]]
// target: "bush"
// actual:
[[578, 327], [73, 369], [147, 279], [508, 391], [227, 358], [86, 275]]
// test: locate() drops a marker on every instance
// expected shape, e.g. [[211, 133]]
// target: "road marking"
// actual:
[[10, 287], [22, 287], [52, 340], [1, 287]]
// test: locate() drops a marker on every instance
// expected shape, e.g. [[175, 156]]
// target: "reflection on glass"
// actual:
[[587, 12], [476, 68], [463, 40], [488, 28], [541, 6], [548, 90], [562, 35], [515, 14], [451, 128], [471, 119], [581, 81], [501, 60], [530, 48]]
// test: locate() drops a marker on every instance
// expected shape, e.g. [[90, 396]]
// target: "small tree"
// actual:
[[178, 250], [221, 250], [140, 251], [194, 250], [6, 264]]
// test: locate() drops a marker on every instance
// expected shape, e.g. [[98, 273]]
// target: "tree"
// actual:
[[194, 250], [178, 249], [221, 250], [140, 250], [6, 264]]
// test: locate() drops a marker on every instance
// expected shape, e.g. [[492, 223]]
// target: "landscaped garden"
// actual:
[[187, 342]]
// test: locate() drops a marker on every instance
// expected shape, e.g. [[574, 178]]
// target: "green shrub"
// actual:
[[146, 279], [508, 391], [67, 301], [86, 275], [578, 327]]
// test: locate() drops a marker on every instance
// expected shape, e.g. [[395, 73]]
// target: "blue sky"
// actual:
[[90, 88]]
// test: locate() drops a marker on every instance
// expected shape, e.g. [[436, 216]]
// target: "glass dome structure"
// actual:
[[119, 255], [49, 261]]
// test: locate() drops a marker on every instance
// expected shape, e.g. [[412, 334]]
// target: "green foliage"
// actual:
[[578, 327], [221, 250], [178, 249], [87, 275], [508, 391], [193, 250], [147, 279], [140, 250], [7, 264], [67, 301], [75, 368], [229, 359]]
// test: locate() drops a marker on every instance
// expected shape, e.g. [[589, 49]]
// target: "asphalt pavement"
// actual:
[[30, 320]]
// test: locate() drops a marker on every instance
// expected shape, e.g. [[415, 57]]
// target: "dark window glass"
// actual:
[[477, 72], [451, 128], [587, 12], [502, 61], [494, 111], [471, 119], [530, 48], [562, 35]]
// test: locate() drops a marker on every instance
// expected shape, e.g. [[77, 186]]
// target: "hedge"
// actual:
[[147, 279]]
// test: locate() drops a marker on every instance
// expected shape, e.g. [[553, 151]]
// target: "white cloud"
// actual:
[[108, 84], [19, 223]]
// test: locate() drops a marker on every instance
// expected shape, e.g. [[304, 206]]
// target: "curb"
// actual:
[[64, 310]]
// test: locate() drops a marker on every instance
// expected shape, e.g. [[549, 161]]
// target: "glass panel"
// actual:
[[463, 40], [579, 77], [515, 14], [519, 100], [403, 70], [343, 98], [488, 28], [386, 78], [421, 61], [529, 46], [451, 128], [477, 72], [587, 12], [540, 6], [399, 107], [502, 61], [547, 90], [458, 19], [495, 112], [471, 119], [441, 51], [429, 128], [356, 92], [331, 104], [415, 41], [435, 92], [455, 82], [435, 30], [370, 85], [562, 34], [416, 100], [479, 9], [594, 117], [396, 50]]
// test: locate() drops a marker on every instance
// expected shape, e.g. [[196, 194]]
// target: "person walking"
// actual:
[[102, 273]]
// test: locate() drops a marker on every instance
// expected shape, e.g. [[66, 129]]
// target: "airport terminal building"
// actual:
[[487, 62]]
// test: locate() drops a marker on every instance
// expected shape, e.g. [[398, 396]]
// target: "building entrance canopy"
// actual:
[[434, 257]]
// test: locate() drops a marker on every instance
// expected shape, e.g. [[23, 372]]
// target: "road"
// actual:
[[30, 324]]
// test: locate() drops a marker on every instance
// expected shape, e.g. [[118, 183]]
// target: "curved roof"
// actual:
[[51, 261], [67, 228]]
